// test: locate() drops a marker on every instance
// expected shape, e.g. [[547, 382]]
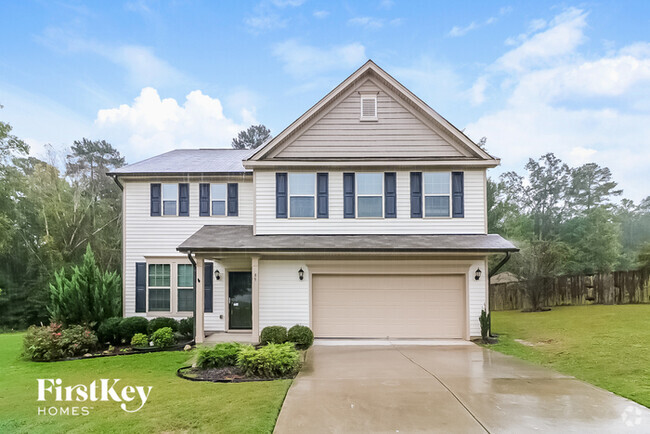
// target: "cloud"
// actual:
[[151, 125], [285, 3], [321, 14], [266, 16], [386, 4], [368, 23], [558, 101], [458, 31], [304, 61]]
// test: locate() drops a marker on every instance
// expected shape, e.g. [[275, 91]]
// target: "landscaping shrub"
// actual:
[[302, 336], [77, 340], [270, 361], [163, 337], [484, 320], [139, 340], [273, 335], [186, 327], [219, 356], [160, 322], [109, 331], [131, 326], [43, 343], [85, 295]]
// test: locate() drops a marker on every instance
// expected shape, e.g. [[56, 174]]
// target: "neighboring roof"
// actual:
[[367, 69], [184, 161], [231, 238], [505, 277]]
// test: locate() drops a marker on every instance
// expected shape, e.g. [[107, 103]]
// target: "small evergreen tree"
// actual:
[[251, 138], [88, 296]]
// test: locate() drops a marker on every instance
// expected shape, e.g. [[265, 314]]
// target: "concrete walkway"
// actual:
[[464, 389]]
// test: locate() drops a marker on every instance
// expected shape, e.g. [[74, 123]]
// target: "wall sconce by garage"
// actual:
[[301, 274], [477, 274], [217, 274]]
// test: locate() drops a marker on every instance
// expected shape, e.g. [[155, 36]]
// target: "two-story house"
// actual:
[[364, 218]]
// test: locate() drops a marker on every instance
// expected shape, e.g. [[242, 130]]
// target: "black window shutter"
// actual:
[[141, 286], [155, 199], [322, 188], [390, 195], [457, 194], [184, 200], [281, 195], [204, 200], [348, 196], [233, 199], [207, 286], [416, 194]]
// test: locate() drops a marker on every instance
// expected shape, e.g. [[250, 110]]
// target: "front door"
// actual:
[[240, 290]]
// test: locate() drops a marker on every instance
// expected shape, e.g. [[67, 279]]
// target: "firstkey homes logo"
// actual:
[[79, 397]]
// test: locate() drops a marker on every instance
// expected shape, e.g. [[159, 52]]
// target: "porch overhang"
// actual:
[[240, 239]]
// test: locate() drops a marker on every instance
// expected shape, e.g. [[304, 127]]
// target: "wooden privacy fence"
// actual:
[[618, 287]]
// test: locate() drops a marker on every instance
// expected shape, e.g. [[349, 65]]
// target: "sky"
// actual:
[[571, 78]]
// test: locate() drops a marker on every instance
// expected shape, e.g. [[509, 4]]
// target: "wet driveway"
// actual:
[[463, 388]]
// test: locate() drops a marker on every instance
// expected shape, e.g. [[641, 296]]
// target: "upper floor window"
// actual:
[[437, 194], [368, 107], [169, 198], [218, 195], [302, 193], [159, 287], [370, 194]]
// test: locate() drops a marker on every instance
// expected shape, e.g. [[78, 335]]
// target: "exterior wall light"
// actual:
[[477, 274], [301, 274], [217, 274]]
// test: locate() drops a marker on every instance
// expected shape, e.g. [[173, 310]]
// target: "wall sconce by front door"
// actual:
[[301, 274], [477, 274], [217, 274]]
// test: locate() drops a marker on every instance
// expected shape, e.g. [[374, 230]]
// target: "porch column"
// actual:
[[255, 303], [199, 294]]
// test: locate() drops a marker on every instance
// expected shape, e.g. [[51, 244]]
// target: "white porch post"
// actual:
[[255, 260], [199, 328]]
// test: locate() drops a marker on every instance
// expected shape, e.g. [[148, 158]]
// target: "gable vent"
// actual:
[[368, 107]]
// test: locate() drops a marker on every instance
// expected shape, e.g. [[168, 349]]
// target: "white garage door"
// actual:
[[395, 306]]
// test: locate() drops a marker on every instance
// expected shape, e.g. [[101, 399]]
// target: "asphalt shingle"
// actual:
[[182, 161]]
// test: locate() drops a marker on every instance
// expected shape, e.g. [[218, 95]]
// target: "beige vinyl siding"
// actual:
[[148, 237], [473, 222], [283, 297], [397, 132]]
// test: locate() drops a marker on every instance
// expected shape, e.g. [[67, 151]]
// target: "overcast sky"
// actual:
[[148, 76]]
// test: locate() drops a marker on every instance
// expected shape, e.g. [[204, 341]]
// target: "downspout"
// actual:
[[189, 256], [117, 181], [490, 274]]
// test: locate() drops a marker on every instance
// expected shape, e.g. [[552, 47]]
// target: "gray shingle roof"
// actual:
[[230, 238], [182, 161]]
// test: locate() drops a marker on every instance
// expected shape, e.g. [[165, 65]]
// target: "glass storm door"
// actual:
[[240, 289]]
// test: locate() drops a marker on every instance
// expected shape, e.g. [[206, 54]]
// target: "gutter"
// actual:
[[117, 181], [490, 274], [189, 256]]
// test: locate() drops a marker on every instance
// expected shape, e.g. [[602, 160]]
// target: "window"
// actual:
[[170, 197], [368, 107], [302, 192], [159, 287], [437, 192], [218, 204], [185, 285], [370, 194]]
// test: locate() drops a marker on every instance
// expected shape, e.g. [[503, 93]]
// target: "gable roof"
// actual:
[[371, 70], [184, 161]]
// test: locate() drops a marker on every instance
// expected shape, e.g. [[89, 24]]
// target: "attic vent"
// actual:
[[368, 107]]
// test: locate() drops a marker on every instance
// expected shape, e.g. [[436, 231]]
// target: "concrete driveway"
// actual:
[[462, 388]]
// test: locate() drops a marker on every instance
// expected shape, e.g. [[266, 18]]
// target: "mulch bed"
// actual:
[[124, 350], [229, 374]]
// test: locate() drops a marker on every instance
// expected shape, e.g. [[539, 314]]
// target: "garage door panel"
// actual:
[[399, 306]]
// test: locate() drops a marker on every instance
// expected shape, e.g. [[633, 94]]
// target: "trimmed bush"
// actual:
[[163, 337], [302, 336], [77, 340], [160, 322], [219, 356], [273, 335], [186, 327], [129, 327], [139, 340], [270, 361], [43, 343], [109, 331]]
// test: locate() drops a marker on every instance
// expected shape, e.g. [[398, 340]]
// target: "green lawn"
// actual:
[[174, 404], [608, 346]]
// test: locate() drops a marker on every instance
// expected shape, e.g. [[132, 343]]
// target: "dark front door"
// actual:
[[240, 291]]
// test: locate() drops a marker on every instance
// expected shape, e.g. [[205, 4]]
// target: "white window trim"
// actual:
[[371, 96], [181, 287], [314, 196], [424, 196], [173, 263], [357, 195], [171, 271], [162, 200], [225, 214]]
